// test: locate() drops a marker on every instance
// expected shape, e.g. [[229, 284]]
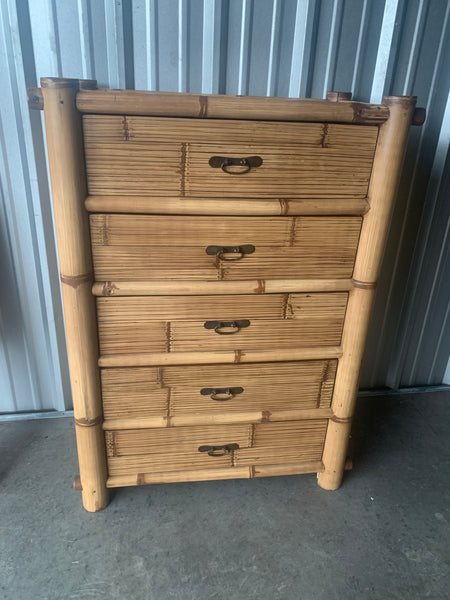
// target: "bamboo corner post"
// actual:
[[387, 165], [66, 161]]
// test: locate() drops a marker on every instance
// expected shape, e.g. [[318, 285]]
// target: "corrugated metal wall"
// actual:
[[260, 47]]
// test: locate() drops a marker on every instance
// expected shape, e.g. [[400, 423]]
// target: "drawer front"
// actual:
[[177, 448], [143, 247], [173, 391], [188, 323], [148, 156]]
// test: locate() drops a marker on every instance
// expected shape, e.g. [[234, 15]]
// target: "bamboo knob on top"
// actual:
[[339, 96], [87, 84], [419, 116], [36, 99], [64, 82]]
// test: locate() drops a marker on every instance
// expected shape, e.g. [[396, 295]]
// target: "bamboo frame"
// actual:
[[63, 101], [382, 188], [65, 152]]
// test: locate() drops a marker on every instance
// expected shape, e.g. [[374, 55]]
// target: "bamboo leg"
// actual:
[[383, 184], [65, 152], [346, 387]]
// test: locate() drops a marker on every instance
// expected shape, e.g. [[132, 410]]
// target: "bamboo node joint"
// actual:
[[203, 100], [76, 280], [82, 422], [364, 285], [336, 419]]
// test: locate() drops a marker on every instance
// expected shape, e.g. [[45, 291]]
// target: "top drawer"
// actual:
[[149, 156]]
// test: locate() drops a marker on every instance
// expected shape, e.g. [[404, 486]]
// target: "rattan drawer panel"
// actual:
[[172, 440], [143, 247], [170, 157], [177, 323], [147, 130], [175, 391], [177, 448]]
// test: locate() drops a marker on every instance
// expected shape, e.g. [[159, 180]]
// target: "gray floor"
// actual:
[[384, 535]]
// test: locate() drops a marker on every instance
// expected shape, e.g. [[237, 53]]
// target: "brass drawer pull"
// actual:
[[219, 450], [223, 162], [221, 394], [219, 326], [240, 251]]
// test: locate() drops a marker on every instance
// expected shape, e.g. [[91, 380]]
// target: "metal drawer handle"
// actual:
[[218, 450], [219, 326], [240, 251], [221, 394], [223, 162]]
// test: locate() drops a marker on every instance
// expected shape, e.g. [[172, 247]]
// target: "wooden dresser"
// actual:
[[218, 260]]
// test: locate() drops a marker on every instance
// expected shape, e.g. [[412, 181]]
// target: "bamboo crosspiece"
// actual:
[[216, 324]]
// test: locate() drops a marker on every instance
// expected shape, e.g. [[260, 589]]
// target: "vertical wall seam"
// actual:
[[183, 47], [386, 50], [273, 48], [244, 47], [359, 52], [335, 33]]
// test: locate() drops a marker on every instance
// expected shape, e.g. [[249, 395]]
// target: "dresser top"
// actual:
[[203, 106], [336, 108]]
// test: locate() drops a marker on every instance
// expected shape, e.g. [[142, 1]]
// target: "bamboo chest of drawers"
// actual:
[[218, 260]]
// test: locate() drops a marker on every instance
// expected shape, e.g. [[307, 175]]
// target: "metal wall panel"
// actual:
[[33, 368], [297, 48]]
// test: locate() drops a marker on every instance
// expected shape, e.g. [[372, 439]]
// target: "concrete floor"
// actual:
[[384, 535]]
